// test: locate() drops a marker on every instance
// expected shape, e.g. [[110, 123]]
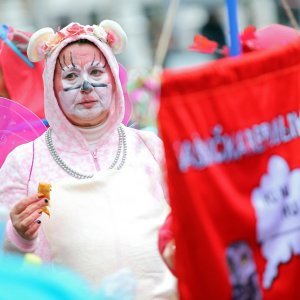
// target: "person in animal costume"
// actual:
[[107, 196]]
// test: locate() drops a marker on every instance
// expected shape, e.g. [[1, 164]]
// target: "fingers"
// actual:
[[21, 205], [25, 213], [32, 230], [31, 208], [24, 225], [28, 228]]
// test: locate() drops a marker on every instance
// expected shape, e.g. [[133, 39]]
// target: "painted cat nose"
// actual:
[[86, 87]]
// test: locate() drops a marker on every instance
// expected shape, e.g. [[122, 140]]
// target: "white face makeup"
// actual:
[[83, 84]]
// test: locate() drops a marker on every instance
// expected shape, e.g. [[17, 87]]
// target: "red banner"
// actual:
[[21, 83], [231, 133]]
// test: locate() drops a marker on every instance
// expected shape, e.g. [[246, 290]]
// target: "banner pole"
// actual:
[[235, 46]]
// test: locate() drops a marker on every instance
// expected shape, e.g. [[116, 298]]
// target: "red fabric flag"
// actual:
[[18, 81], [231, 133], [203, 44]]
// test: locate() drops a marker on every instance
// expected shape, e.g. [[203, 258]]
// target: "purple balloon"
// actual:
[[18, 125]]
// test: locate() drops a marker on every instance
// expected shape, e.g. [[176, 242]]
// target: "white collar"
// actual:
[[92, 134]]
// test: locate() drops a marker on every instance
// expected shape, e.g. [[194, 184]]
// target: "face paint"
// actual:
[[83, 84], [86, 86]]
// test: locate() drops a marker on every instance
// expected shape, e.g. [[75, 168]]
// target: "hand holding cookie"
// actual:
[[45, 189], [25, 215]]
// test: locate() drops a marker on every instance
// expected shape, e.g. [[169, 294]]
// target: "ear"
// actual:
[[37, 41], [116, 36]]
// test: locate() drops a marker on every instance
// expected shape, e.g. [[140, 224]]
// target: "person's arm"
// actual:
[[23, 213], [166, 243], [15, 243], [24, 224]]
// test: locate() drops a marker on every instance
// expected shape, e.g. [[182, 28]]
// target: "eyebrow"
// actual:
[[97, 64], [65, 63], [71, 68], [92, 63]]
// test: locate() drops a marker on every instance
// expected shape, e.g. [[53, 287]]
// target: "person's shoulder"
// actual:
[[151, 140], [21, 154], [146, 135]]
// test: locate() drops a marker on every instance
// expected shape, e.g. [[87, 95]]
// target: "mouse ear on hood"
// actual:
[[37, 43], [116, 36]]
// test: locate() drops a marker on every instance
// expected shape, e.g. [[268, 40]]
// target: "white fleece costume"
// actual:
[[105, 223]]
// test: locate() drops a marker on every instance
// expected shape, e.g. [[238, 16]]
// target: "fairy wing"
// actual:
[[18, 125]]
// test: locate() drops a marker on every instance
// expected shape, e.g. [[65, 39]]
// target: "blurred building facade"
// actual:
[[143, 20]]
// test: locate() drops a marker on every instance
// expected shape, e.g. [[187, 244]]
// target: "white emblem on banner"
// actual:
[[277, 205]]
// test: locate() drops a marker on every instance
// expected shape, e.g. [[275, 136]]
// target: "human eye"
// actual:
[[96, 72], [70, 76]]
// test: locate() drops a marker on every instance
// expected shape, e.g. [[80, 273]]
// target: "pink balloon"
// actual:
[[271, 36], [18, 125]]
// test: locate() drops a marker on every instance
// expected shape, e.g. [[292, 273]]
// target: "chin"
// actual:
[[90, 118], [88, 122]]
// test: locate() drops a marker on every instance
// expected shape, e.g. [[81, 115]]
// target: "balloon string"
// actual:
[[164, 39], [290, 14]]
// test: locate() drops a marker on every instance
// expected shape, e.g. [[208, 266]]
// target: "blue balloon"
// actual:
[[19, 280]]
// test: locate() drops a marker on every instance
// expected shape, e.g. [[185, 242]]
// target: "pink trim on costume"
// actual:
[[18, 241], [30, 167]]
